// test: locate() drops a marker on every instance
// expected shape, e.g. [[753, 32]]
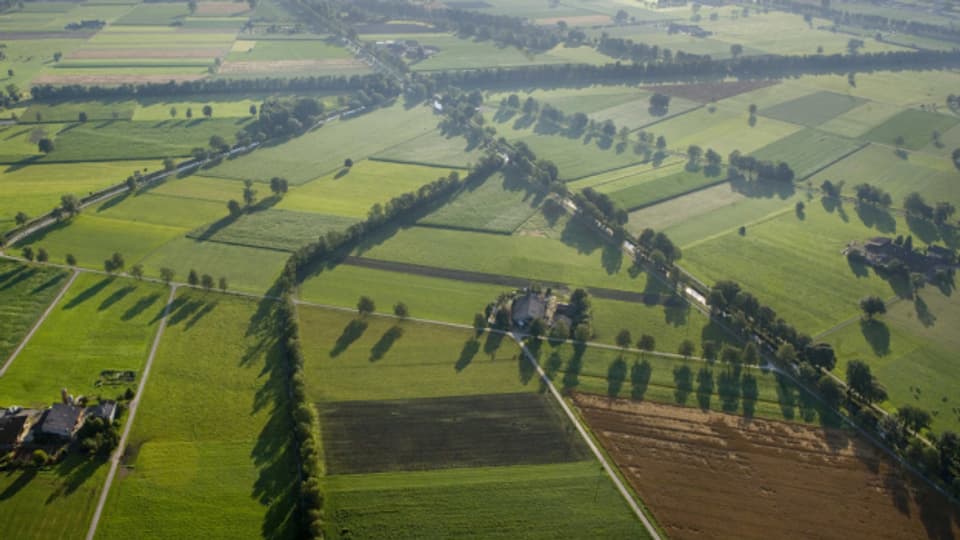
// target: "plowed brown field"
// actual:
[[713, 475]]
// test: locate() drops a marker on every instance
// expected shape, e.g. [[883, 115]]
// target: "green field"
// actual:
[[433, 148], [101, 324], [54, 503], [724, 130], [669, 325], [911, 350], [566, 252], [794, 265], [916, 128], [351, 192], [24, 293], [154, 14], [232, 262], [273, 229], [20, 143], [36, 189], [491, 502], [70, 112], [224, 474], [321, 151], [498, 205], [652, 190], [267, 51], [814, 109], [201, 188], [808, 151], [859, 120], [426, 361]]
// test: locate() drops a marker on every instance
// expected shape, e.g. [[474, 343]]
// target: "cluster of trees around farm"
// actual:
[[914, 204]]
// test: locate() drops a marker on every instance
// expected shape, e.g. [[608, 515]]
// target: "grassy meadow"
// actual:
[[189, 471], [500, 204], [24, 293], [105, 323]]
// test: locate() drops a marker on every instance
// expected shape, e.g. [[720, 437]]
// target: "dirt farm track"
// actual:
[[712, 475]]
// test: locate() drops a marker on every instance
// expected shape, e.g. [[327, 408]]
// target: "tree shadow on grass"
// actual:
[[88, 293], [571, 375], [858, 267], [683, 380], [640, 374], [110, 203], [492, 343], [877, 335], [23, 480], [73, 472], [704, 388], [181, 312], [470, 349], [18, 278], [351, 332], [831, 204], [553, 365], [204, 311], [10, 274], [924, 315], [728, 388], [616, 375], [60, 276], [382, 346], [876, 217], [117, 296], [142, 305], [750, 391], [786, 396]]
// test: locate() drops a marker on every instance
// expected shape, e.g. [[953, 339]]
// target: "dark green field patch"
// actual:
[[285, 230], [661, 189], [440, 433], [915, 127], [813, 109], [808, 151]]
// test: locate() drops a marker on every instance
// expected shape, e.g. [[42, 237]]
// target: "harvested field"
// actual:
[[707, 92], [138, 53], [580, 20], [241, 68], [111, 79], [439, 433], [711, 475]]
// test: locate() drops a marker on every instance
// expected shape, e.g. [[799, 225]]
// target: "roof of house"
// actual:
[[105, 409], [10, 428], [879, 241], [528, 307], [61, 419]]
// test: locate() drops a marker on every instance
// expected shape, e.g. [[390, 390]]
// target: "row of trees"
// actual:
[[939, 213], [754, 168], [627, 49]]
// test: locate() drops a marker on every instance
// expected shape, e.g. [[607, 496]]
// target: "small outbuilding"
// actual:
[[106, 410]]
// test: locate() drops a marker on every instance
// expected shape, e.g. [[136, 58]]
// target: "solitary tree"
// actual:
[[709, 349], [222, 283], [115, 263], [28, 253], [206, 281], [253, 110], [137, 271], [348, 163], [207, 111], [71, 260], [249, 194], [169, 164], [736, 50], [400, 310], [218, 143], [166, 274], [873, 305], [21, 218], [647, 343], [279, 186], [365, 306], [45, 145], [687, 348], [234, 208], [193, 278], [189, 112], [624, 339], [82, 116], [173, 112]]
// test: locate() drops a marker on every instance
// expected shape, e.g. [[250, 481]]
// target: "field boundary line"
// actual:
[[134, 405], [772, 215], [651, 530], [669, 198], [36, 325], [834, 162]]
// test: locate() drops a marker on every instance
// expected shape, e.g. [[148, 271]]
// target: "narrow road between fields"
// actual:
[[134, 405], [651, 530], [36, 326]]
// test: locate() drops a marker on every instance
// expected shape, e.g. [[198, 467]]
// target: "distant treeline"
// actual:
[[373, 83], [866, 20]]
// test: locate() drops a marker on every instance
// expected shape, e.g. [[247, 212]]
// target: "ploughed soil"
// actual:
[[709, 91], [714, 475], [440, 433]]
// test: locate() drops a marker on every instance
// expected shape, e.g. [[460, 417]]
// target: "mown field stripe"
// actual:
[[134, 405], [36, 325]]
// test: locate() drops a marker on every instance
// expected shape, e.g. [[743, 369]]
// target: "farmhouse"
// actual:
[[106, 410], [527, 308], [61, 422], [896, 255]]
